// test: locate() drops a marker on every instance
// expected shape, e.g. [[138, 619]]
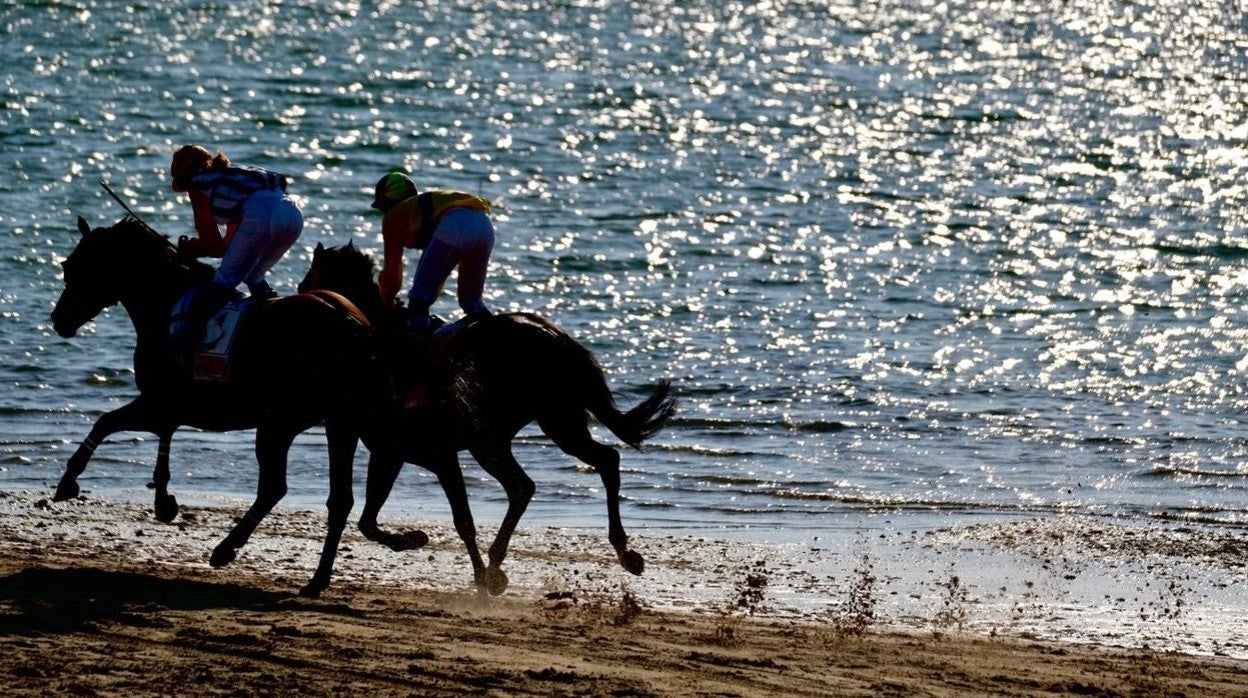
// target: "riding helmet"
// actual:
[[391, 189]]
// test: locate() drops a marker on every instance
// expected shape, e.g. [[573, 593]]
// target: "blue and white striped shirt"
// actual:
[[229, 189]]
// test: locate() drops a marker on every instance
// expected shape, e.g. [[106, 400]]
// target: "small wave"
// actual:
[[1114, 441], [857, 499], [49, 441], [1230, 519], [815, 426], [11, 410], [818, 426], [710, 422], [1166, 471], [743, 480], [655, 504], [1218, 251], [97, 379], [705, 450], [723, 480], [898, 502]]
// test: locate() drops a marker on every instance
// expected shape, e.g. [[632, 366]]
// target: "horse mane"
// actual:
[[131, 228], [135, 235]]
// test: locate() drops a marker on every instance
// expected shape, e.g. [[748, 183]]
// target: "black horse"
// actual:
[[298, 361], [485, 382]]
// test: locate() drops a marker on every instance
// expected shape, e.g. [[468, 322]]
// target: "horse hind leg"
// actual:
[[571, 434], [383, 470], [498, 461]]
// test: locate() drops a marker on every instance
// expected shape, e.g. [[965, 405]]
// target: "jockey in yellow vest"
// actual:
[[451, 227]]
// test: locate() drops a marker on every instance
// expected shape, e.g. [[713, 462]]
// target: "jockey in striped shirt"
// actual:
[[261, 221]]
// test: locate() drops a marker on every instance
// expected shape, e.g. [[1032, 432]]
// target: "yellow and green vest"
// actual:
[[414, 219]]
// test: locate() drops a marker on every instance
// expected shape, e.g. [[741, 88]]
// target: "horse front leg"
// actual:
[[383, 469], [451, 477], [342, 444], [137, 415], [165, 505], [272, 447], [498, 461]]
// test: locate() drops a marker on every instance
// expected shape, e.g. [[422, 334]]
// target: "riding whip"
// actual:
[[132, 214]]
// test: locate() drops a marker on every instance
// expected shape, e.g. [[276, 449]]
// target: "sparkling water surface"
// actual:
[[956, 258]]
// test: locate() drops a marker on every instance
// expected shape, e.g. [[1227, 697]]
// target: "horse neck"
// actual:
[[364, 294], [150, 299], [368, 300]]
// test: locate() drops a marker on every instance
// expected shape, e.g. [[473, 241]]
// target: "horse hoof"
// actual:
[[632, 561], [65, 490], [166, 508], [313, 589], [222, 556], [495, 581], [409, 540]]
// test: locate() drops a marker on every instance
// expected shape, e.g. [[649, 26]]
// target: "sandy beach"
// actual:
[[96, 597]]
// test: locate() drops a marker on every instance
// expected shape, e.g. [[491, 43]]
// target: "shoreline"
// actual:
[[117, 629], [1073, 579], [93, 606], [88, 583]]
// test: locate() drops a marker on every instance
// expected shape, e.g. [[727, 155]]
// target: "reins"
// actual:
[[170, 247]]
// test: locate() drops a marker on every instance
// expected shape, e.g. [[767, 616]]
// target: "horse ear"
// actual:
[[351, 244], [317, 252], [83, 226]]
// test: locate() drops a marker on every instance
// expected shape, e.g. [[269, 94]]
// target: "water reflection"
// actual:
[[1005, 242]]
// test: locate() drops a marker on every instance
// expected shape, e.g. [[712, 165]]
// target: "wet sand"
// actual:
[[97, 597]]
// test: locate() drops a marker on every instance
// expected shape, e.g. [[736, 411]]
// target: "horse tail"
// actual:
[[638, 424], [643, 421]]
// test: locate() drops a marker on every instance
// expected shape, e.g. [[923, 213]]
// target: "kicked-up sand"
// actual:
[[98, 597]]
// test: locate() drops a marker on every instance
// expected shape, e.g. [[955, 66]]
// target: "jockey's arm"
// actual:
[[210, 243], [391, 277]]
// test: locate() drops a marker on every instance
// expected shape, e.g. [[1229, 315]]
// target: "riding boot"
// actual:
[[260, 290], [418, 321], [191, 313], [477, 315]]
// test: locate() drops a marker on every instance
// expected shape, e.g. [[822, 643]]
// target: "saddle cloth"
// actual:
[[211, 362]]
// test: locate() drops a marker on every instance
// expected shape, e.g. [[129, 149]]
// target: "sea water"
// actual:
[[942, 259]]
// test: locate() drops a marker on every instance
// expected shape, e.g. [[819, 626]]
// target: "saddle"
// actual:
[[417, 358]]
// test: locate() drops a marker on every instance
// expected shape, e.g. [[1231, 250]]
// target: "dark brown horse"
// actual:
[[486, 382], [299, 361]]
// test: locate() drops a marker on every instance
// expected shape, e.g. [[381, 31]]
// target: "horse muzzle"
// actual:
[[68, 316], [64, 327]]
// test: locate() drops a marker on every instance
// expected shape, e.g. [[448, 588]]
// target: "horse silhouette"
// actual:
[[483, 383], [298, 361]]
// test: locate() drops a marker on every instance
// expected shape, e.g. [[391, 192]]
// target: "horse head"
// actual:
[[104, 267], [344, 269]]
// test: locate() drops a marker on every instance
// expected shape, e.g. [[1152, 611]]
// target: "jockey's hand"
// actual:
[[392, 306], [188, 247]]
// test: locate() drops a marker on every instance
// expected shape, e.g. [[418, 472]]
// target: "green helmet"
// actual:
[[391, 189]]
